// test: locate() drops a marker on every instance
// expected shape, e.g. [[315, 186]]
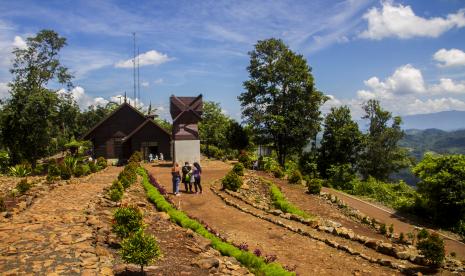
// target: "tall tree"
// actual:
[[237, 136], [381, 155], [214, 125], [281, 102], [29, 115], [341, 142]]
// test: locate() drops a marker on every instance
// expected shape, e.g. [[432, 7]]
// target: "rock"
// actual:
[[22, 205], [164, 215], [207, 263], [276, 212], [29, 200], [373, 244], [403, 255], [141, 204], [326, 229], [385, 262], [7, 214], [386, 248]]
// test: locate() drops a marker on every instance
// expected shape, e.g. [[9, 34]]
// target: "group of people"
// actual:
[[155, 157], [189, 175]]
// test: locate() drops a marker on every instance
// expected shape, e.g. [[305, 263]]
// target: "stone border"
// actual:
[[349, 250]]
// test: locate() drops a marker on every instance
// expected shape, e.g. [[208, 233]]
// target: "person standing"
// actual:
[[176, 178], [161, 156], [186, 172], [197, 176]]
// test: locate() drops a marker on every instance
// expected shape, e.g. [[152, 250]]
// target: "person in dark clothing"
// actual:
[[197, 176], [186, 173], [176, 178]]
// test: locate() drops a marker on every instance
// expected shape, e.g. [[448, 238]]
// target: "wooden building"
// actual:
[[127, 130]]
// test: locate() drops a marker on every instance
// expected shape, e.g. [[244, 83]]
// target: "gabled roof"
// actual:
[[148, 121], [180, 106], [125, 104]]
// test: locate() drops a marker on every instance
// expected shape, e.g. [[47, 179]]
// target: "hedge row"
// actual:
[[256, 264], [280, 202]]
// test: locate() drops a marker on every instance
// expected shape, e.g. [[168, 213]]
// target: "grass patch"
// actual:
[[280, 202], [255, 264]]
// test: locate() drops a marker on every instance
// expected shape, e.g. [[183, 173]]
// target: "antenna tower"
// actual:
[[134, 68]]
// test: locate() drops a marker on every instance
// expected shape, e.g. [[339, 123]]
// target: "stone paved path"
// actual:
[[51, 237]]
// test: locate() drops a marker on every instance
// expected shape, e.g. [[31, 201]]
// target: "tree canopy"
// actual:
[[281, 103]]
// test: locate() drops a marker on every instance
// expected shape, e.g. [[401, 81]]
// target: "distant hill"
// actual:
[[446, 120], [440, 141]]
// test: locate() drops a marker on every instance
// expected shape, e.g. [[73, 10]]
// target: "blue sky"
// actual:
[[408, 54]]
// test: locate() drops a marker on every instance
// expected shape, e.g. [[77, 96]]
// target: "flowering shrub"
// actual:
[[257, 252]]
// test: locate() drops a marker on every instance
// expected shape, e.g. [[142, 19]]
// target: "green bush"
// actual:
[[255, 264], [313, 185], [53, 169], [101, 163], [232, 181], [341, 176], [277, 172], [127, 220], [117, 185], [81, 170], [4, 161], [23, 186], [20, 170], [115, 194], [280, 202], [246, 159], [93, 167], [2, 204], [39, 169], [432, 248], [308, 164], [70, 163], [65, 172], [136, 157], [238, 169], [270, 164], [140, 249], [382, 229], [295, 177]]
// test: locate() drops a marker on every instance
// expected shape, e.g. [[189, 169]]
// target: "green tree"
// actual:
[[237, 136], [140, 249], [281, 102], [214, 125], [29, 115], [381, 154], [443, 186], [341, 142]]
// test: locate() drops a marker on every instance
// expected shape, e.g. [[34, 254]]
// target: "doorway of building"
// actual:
[[150, 148]]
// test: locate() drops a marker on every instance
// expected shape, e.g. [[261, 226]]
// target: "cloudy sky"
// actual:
[[408, 54]]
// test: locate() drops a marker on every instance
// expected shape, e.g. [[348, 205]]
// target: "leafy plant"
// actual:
[[422, 234], [70, 163], [391, 229], [257, 252], [93, 167], [238, 169], [277, 172], [23, 186], [295, 177], [246, 159], [270, 258], [4, 160], [136, 157], [101, 163], [401, 237], [382, 229], [127, 220], [81, 170], [140, 249], [232, 181], [313, 185], [65, 172], [115, 194], [20, 170], [432, 248]]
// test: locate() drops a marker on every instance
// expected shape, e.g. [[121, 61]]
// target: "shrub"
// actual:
[[245, 159], [85, 169], [238, 169], [93, 167], [101, 163], [79, 171], [53, 169], [65, 172], [432, 248], [39, 169], [277, 172], [308, 164], [127, 220], [140, 249], [341, 176], [117, 185], [23, 186], [2, 204], [232, 181], [391, 229], [4, 161], [422, 234], [115, 194], [382, 229], [401, 237], [20, 170], [295, 177], [71, 163], [314, 185], [136, 157], [269, 164]]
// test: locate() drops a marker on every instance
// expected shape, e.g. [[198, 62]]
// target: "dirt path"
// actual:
[[51, 236], [389, 217], [311, 257]]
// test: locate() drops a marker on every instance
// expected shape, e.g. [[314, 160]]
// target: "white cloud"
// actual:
[[4, 90], [158, 81], [151, 57], [397, 20], [83, 99], [450, 58], [434, 105], [405, 80], [145, 84], [19, 43], [448, 86]]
